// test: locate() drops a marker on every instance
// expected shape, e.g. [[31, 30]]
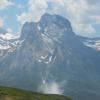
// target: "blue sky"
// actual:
[[8, 14], [83, 14]]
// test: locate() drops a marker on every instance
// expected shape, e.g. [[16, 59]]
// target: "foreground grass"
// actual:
[[7, 93]]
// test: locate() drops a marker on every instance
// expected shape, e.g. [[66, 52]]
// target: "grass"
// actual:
[[7, 93]]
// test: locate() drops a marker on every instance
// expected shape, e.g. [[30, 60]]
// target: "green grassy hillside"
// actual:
[[7, 93]]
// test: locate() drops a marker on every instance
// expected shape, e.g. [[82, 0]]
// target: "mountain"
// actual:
[[49, 57], [92, 42], [7, 93]]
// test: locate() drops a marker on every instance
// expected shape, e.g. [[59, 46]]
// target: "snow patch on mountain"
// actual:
[[39, 28], [93, 44], [51, 88], [4, 47], [8, 36], [9, 42]]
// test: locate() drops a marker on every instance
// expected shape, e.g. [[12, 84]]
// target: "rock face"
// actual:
[[49, 57]]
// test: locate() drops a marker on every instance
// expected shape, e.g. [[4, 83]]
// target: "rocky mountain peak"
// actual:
[[53, 27], [27, 30], [61, 22]]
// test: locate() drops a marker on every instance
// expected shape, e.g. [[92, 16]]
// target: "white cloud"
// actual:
[[83, 14], [84, 28], [5, 3], [9, 30], [24, 17], [1, 22], [80, 13], [36, 9]]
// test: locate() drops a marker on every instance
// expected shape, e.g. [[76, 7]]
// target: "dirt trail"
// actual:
[[8, 98]]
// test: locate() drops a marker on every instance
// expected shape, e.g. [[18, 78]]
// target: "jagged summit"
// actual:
[[27, 30], [56, 19], [54, 27]]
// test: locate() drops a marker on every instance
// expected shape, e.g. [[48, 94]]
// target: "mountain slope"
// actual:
[[50, 58], [17, 94]]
